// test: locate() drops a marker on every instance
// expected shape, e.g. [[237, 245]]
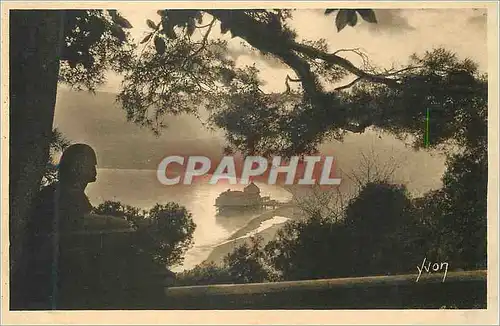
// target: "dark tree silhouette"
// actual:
[[312, 248], [380, 222], [165, 231], [246, 263], [85, 43], [179, 73], [204, 274], [35, 49]]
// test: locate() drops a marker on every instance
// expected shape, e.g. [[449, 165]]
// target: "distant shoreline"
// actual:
[[254, 223], [220, 251]]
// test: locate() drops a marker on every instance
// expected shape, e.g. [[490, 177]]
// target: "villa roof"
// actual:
[[252, 186]]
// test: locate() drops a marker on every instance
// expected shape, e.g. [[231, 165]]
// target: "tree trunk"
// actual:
[[35, 42]]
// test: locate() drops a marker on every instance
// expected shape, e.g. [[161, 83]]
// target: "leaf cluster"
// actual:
[[95, 41], [164, 232], [58, 143], [350, 17]]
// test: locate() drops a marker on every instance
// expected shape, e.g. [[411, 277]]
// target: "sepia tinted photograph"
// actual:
[[320, 158]]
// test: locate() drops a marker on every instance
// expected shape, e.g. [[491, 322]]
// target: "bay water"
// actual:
[[141, 188]]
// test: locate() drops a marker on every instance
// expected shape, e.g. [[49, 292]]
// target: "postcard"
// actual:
[[249, 162]]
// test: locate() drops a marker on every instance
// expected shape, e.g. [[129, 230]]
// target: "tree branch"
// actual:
[[252, 31], [295, 55], [344, 63], [358, 52], [355, 50], [205, 37], [392, 73], [206, 25], [348, 85], [387, 74]]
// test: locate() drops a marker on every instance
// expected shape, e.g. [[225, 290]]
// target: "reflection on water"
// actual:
[[276, 220], [235, 221], [140, 188]]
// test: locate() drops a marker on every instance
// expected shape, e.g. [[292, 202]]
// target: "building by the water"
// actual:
[[247, 200]]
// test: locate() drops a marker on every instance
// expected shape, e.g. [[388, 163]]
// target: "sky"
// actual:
[[398, 34]]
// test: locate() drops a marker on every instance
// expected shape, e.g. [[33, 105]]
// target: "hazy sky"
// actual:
[[398, 34]]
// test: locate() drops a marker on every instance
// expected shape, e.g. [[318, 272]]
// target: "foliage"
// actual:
[[377, 202], [312, 248], [182, 73], [204, 274], [95, 43], [181, 82], [365, 242], [383, 230], [456, 215], [58, 143], [465, 219], [165, 231], [350, 17], [378, 235], [114, 208], [325, 203], [453, 90], [171, 228], [246, 263]]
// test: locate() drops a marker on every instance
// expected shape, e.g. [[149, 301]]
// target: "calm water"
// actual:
[[140, 188]]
